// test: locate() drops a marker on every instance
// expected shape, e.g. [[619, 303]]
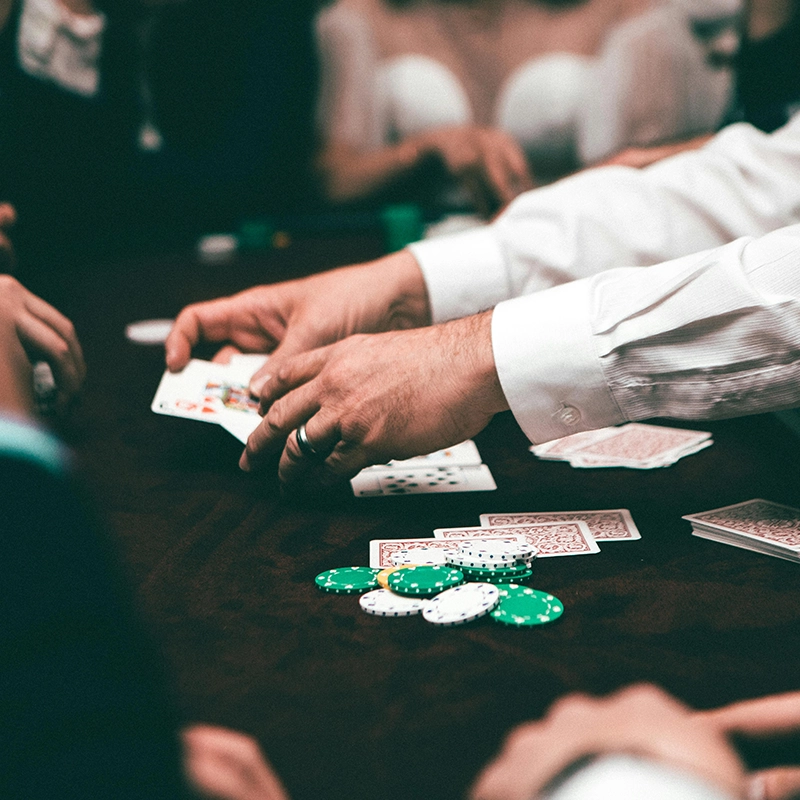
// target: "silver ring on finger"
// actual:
[[305, 446]]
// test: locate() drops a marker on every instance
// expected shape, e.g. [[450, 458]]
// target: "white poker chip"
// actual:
[[498, 550], [217, 247], [149, 331], [461, 604], [485, 561], [383, 603], [418, 556]]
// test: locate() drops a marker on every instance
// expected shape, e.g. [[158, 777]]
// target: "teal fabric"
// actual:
[[23, 439]]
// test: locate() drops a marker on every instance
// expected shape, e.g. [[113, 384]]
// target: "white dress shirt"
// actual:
[[711, 329]]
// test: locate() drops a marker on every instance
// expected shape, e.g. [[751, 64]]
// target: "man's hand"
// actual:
[[639, 720], [763, 718], [488, 162], [8, 216], [371, 398], [289, 318], [227, 765], [32, 330]]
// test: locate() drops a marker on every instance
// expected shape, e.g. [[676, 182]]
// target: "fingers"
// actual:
[[778, 783], [764, 716], [8, 216], [227, 764], [283, 417], [39, 339], [185, 334], [504, 166], [224, 354], [276, 380]]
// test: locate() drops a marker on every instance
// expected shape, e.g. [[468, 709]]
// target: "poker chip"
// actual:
[[383, 576], [520, 605], [383, 603], [497, 550], [522, 576], [418, 556], [482, 561], [149, 331], [496, 572], [348, 580], [461, 604], [424, 580]]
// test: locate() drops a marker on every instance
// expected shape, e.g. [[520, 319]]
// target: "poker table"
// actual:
[[353, 706]]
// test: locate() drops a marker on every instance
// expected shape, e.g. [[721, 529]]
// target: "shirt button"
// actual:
[[570, 415]]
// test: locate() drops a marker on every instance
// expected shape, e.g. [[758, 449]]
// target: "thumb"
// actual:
[[777, 783]]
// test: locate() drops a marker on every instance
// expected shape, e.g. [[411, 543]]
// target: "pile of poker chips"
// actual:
[[478, 578]]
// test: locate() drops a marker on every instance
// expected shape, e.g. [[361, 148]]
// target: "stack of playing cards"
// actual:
[[218, 393], [634, 445], [454, 469], [559, 533], [758, 525]]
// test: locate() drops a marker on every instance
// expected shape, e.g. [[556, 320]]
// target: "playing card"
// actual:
[[464, 454], [243, 366], [384, 482], [635, 446], [758, 520], [383, 552], [549, 538], [605, 526], [191, 393]]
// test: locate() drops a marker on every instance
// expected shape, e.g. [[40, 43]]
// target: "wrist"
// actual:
[[406, 305]]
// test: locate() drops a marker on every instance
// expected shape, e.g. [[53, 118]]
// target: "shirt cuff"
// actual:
[[464, 273], [22, 439], [547, 363]]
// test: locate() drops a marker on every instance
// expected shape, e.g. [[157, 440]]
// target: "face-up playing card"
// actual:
[[604, 526], [464, 454], [549, 538], [186, 393], [385, 482], [758, 520]]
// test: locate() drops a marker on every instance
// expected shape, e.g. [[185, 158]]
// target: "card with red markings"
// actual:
[[549, 538], [610, 525]]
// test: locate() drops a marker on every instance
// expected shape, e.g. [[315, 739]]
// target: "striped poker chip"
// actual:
[[495, 550], [484, 561], [383, 603], [348, 580], [520, 606], [461, 604], [424, 580]]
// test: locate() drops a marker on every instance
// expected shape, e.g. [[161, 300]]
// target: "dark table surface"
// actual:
[[353, 706]]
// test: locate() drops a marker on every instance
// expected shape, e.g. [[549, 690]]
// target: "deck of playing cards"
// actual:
[[758, 525], [634, 445]]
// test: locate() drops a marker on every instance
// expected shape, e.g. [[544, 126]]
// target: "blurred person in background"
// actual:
[[492, 96], [151, 122]]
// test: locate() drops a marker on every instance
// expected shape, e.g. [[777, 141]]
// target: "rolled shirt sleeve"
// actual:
[[579, 345]]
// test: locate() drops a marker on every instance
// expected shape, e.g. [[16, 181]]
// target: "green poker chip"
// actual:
[[348, 580], [496, 572], [424, 580], [520, 576], [520, 605]]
